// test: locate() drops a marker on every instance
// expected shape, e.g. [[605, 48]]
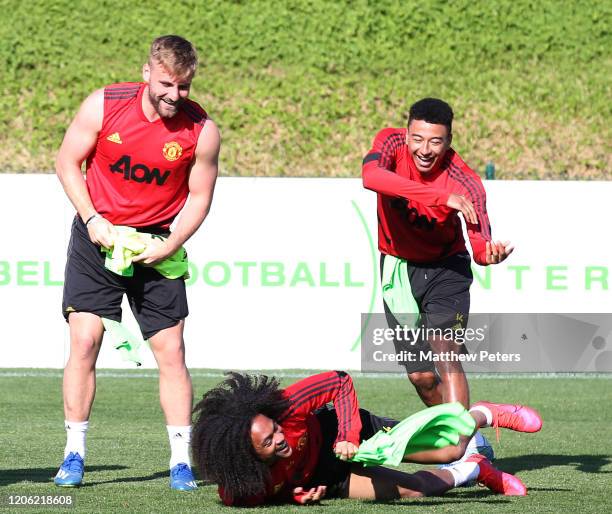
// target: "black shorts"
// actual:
[[157, 302], [330, 470], [442, 293]]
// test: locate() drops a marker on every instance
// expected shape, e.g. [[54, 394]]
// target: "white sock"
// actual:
[[476, 441], [472, 445], [76, 432], [180, 439], [486, 411], [464, 472]]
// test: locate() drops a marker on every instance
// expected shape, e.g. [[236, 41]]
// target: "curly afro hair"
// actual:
[[221, 436]]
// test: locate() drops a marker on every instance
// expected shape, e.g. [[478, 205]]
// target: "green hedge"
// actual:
[[301, 87]]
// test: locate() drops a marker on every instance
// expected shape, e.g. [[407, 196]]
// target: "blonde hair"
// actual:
[[177, 55]]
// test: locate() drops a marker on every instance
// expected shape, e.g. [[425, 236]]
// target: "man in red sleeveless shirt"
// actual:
[[147, 148], [422, 185]]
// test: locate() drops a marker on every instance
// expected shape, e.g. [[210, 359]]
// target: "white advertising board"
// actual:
[[283, 268]]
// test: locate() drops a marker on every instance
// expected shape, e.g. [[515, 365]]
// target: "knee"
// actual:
[[171, 357], [84, 347], [423, 379]]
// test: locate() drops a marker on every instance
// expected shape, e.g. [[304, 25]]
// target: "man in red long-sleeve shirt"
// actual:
[[422, 185], [260, 444]]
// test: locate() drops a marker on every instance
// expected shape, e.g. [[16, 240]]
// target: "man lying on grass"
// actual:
[[261, 444]]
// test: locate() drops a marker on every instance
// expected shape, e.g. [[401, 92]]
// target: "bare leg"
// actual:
[[175, 392], [378, 483], [428, 387], [79, 385], [454, 383], [448, 453]]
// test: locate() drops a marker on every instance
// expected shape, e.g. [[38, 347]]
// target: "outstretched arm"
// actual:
[[378, 173]]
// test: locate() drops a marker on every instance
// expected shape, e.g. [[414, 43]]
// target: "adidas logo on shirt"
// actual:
[[114, 138]]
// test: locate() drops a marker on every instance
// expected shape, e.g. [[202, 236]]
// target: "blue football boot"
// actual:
[[181, 478], [71, 471]]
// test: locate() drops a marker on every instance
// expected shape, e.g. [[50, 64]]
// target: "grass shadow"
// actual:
[[41, 475], [145, 478], [584, 463], [446, 500]]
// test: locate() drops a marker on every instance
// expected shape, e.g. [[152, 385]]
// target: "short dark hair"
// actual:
[[432, 110], [221, 437]]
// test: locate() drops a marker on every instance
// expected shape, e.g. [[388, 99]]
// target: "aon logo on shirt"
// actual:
[[139, 172]]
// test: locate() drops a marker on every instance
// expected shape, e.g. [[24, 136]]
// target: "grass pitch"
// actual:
[[567, 467]]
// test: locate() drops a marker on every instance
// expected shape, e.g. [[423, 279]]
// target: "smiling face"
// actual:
[[269, 440], [427, 143], [166, 91]]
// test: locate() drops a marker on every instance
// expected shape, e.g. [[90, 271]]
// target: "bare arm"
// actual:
[[202, 178], [79, 141]]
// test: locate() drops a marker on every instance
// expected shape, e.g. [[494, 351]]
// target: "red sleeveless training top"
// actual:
[[137, 175]]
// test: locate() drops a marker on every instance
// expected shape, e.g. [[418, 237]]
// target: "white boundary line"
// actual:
[[4, 373]]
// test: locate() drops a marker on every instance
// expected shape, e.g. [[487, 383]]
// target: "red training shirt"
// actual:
[[303, 433], [138, 172], [414, 222]]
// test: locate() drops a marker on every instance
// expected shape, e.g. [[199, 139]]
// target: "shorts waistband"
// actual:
[[151, 229]]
